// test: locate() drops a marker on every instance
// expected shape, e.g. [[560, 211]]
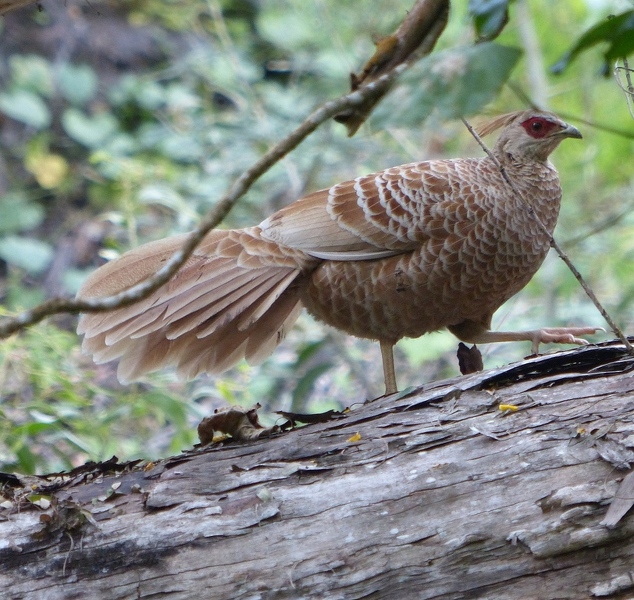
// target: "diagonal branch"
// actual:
[[553, 243], [140, 291], [431, 13]]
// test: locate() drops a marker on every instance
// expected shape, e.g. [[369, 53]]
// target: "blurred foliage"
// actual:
[[450, 84], [489, 17], [131, 130], [617, 31], [54, 415]]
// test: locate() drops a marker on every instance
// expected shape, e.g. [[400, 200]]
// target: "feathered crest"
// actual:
[[501, 121], [496, 123]]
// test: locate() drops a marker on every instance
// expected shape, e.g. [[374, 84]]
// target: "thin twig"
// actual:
[[142, 290], [628, 76], [526, 100], [609, 222], [629, 88], [629, 135], [553, 243], [229, 50]]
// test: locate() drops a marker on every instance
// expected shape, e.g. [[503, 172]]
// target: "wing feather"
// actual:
[[374, 216], [239, 291], [234, 297]]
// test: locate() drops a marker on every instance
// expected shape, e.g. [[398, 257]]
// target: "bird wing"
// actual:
[[378, 215], [234, 297]]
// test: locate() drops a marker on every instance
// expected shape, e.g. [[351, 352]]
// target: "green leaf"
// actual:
[[163, 195], [26, 107], [180, 147], [181, 97], [617, 31], [35, 427], [427, 348], [306, 383], [308, 351], [18, 214], [489, 17], [92, 131], [455, 83], [32, 73], [73, 278], [27, 253], [286, 28], [42, 418], [77, 83], [26, 459], [150, 95]]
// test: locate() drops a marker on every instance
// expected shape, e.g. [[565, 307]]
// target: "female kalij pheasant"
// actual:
[[399, 253]]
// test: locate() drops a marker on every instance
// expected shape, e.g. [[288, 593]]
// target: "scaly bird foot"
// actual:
[[561, 335]]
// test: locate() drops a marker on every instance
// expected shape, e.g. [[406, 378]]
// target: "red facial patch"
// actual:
[[538, 127]]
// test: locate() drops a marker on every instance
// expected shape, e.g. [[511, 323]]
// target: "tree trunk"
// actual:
[[446, 494]]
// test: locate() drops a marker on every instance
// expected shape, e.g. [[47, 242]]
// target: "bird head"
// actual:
[[529, 135]]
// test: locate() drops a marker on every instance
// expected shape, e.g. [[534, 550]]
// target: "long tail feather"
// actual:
[[235, 298]]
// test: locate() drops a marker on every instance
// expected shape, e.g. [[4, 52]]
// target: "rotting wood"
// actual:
[[443, 496]]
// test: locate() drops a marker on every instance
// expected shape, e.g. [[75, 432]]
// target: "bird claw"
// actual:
[[562, 335]]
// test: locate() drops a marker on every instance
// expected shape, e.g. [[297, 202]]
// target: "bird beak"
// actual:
[[570, 132]]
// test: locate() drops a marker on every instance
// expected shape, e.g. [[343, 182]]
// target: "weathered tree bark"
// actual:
[[445, 495]]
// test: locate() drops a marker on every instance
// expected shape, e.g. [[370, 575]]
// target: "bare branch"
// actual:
[[8, 5], [415, 37], [553, 243], [376, 88]]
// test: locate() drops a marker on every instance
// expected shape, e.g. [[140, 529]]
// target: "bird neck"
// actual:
[[512, 158], [538, 185]]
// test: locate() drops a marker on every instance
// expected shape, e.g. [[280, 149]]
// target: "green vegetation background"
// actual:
[[122, 122]]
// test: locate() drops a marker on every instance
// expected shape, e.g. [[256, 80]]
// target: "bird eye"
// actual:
[[537, 127]]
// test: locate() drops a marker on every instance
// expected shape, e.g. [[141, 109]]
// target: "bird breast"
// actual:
[[476, 246]]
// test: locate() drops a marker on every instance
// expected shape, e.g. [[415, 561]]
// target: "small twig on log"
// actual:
[[553, 243]]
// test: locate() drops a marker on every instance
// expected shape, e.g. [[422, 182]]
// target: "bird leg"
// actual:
[[475, 333], [387, 354]]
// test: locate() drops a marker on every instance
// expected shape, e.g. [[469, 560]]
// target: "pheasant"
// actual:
[[398, 253]]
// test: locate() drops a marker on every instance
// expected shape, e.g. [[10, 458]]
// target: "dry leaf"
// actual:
[[623, 501], [236, 421], [469, 359]]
